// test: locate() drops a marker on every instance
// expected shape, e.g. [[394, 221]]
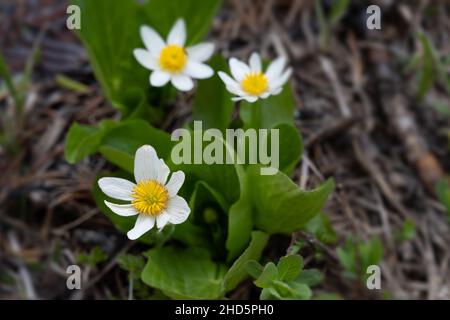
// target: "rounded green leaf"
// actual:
[[189, 273]]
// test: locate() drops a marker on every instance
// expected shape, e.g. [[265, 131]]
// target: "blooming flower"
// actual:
[[152, 199], [170, 60], [250, 83]]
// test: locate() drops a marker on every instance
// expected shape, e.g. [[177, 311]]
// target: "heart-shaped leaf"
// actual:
[[280, 205], [184, 273]]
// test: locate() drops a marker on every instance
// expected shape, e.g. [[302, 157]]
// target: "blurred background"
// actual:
[[373, 107]]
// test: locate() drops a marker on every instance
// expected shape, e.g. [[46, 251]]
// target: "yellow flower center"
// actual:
[[255, 83], [172, 58], [150, 197]]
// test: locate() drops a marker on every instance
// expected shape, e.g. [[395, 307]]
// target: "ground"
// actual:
[[358, 111]]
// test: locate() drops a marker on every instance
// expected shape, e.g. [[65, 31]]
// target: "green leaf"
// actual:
[[237, 272], [427, 75], [254, 268], [110, 46], [240, 223], [212, 103], [289, 267], [270, 294], [371, 253], [7, 76], [132, 263], [270, 112], [441, 107], [310, 277], [221, 177], [226, 179], [93, 258], [196, 231], [280, 205], [283, 291], [355, 256], [320, 226], [188, 273], [301, 291], [338, 9], [120, 143], [443, 193], [347, 257], [291, 147], [82, 140], [71, 84], [407, 231], [269, 274]]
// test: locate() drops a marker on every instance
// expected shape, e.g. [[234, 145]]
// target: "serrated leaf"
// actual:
[[310, 277], [289, 267], [269, 274], [254, 268]]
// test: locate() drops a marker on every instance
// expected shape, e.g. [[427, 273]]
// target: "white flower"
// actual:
[[170, 61], [152, 199], [250, 83]]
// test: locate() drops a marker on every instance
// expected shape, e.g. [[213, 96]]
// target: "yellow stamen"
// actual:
[[172, 59], [150, 197], [255, 83]]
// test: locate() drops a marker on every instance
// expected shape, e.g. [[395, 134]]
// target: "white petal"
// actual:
[[161, 220], [238, 69], [201, 52], [275, 69], [177, 34], [145, 58], [146, 164], [227, 79], [163, 172], [143, 224], [198, 70], [175, 183], [152, 40], [264, 95], [250, 99], [177, 210], [182, 82], [231, 84], [124, 210], [281, 80], [276, 91], [255, 62], [159, 78], [117, 188], [235, 91]]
